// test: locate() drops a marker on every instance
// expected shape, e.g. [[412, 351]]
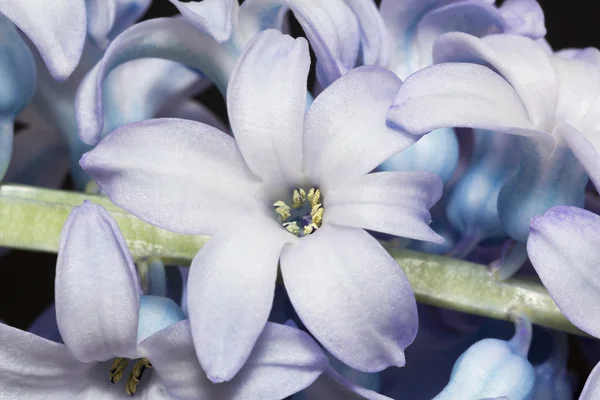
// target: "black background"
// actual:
[[27, 280]]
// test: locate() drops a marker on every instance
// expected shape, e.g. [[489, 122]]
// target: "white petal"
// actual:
[[396, 203], [167, 38], [352, 296], [461, 95], [180, 175], [211, 16], [586, 151], [330, 27], [266, 99], [58, 30], [564, 248], [97, 291], [520, 60], [345, 132], [34, 368], [230, 292]]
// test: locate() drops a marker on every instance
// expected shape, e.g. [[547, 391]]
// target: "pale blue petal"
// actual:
[[97, 291], [564, 248], [58, 38], [156, 314], [352, 296], [168, 38], [330, 27], [214, 17]]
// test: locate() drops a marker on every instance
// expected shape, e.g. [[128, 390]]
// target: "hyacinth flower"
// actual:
[[494, 368], [563, 247], [401, 38], [114, 337], [552, 382], [510, 84], [210, 37], [472, 205], [137, 91], [293, 186]]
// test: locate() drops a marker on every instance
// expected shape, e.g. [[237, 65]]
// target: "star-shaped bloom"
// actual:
[[107, 325], [564, 248], [293, 188], [511, 84]]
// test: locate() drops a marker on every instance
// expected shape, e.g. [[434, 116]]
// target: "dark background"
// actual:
[[27, 283]]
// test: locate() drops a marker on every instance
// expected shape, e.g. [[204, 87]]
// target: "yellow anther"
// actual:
[[136, 375], [282, 209], [292, 227], [308, 229], [317, 217], [314, 196], [117, 369], [298, 198]]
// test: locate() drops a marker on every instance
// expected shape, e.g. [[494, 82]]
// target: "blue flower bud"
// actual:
[[157, 313]]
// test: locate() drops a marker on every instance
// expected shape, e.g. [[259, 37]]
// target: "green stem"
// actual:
[[32, 219]]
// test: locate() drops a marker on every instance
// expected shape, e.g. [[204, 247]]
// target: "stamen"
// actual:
[[117, 368], [305, 215], [282, 209], [136, 375]]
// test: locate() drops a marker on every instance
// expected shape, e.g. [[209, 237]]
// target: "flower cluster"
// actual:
[[303, 191]]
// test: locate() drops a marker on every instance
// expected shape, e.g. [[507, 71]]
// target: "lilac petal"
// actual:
[[45, 325], [377, 45], [585, 150], [97, 291], [352, 296], [332, 386], [60, 38], [521, 61], [127, 13], [138, 90], [34, 368], [180, 175], [579, 84], [266, 100], [476, 18], [345, 133], [591, 390], [230, 292], [330, 27], [213, 17], [101, 16], [40, 158], [194, 111], [396, 203], [167, 38], [462, 95], [523, 17], [564, 248], [284, 361]]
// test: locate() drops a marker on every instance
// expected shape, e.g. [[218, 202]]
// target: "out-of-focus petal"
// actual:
[[332, 386], [460, 95], [167, 38], [396, 203], [266, 100], [40, 158], [352, 296], [564, 248], [230, 292], [45, 325], [330, 27], [97, 291], [34, 368], [213, 17], [58, 30], [377, 45], [521, 61], [195, 111], [586, 151], [523, 17], [345, 132], [157, 313], [591, 390], [180, 175]]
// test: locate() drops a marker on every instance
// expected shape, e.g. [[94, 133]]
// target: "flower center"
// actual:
[[118, 368], [305, 215]]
